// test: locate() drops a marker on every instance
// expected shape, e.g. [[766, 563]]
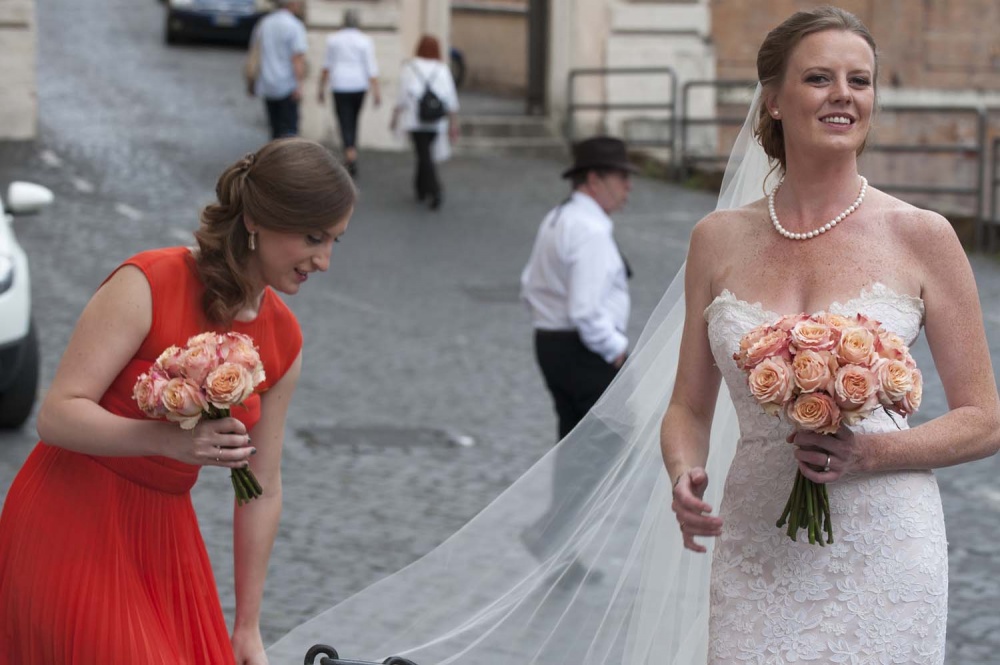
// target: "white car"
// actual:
[[19, 360]]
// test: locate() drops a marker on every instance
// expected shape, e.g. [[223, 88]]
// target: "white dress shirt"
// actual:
[[576, 277], [350, 59]]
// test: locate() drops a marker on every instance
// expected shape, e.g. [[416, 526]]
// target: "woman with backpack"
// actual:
[[426, 108]]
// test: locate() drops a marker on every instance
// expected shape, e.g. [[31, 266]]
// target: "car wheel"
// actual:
[[18, 399]]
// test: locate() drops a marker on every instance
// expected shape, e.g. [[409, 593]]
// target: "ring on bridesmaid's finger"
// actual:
[[827, 467]]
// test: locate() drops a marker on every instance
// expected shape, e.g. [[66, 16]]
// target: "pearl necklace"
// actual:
[[821, 230]]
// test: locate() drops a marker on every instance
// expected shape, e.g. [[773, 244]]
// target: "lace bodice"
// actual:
[[878, 594]]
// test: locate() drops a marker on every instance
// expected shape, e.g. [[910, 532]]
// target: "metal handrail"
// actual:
[[572, 106], [685, 121]]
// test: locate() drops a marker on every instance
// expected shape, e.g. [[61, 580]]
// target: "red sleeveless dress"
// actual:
[[101, 559]]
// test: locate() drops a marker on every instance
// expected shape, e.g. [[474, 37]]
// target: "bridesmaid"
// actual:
[[101, 559]]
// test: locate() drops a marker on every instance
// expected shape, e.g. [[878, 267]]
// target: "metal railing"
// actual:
[[573, 106], [681, 120], [687, 159]]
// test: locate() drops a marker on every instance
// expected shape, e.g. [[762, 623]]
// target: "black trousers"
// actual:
[[426, 181], [347, 107], [576, 377], [283, 116]]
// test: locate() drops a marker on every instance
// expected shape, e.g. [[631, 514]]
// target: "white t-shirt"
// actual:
[[282, 36], [576, 278], [350, 60], [411, 88]]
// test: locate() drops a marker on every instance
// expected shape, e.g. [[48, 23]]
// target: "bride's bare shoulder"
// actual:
[[918, 228], [723, 227]]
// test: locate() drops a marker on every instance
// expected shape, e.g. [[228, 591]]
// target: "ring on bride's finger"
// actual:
[[217, 459], [827, 467]]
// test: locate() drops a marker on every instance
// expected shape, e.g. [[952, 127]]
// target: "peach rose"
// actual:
[[209, 340], [239, 349], [895, 380], [871, 325], [813, 335], [228, 385], [814, 370], [772, 384], [855, 387], [816, 412], [911, 401], [148, 393], [856, 347], [747, 341], [890, 346], [788, 321], [184, 402], [835, 321], [773, 344]]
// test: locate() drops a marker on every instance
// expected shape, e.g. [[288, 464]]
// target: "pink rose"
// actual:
[[813, 336], [184, 402], [747, 341], [228, 385], [856, 347], [148, 393], [209, 340], [870, 325], [772, 384], [169, 362], [199, 361], [895, 380], [911, 401], [816, 412], [238, 349], [814, 370]]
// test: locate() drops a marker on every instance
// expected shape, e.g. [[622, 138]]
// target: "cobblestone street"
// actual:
[[419, 400]]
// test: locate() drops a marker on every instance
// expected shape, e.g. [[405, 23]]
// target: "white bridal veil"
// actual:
[[608, 582]]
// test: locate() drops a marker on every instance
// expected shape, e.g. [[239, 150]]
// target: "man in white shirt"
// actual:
[[576, 286], [281, 39], [575, 283], [349, 70]]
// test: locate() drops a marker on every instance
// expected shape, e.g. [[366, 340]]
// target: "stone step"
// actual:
[[513, 126], [536, 146]]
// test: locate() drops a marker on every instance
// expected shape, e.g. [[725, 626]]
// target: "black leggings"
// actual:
[[426, 181], [347, 107]]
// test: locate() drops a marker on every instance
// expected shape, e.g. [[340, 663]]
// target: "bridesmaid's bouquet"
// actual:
[[205, 378], [824, 371]]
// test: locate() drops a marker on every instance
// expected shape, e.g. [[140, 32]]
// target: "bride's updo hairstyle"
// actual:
[[772, 63], [290, 185]]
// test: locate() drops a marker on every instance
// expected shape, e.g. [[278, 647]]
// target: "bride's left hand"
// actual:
[[824, 458]]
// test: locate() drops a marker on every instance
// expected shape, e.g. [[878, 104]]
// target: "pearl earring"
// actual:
[[252, 241]]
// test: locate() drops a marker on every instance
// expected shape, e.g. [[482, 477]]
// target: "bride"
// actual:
[[626, 579]]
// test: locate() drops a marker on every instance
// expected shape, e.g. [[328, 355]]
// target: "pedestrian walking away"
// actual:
[[122, 444], [427, 109], [349, 71], [278, 44], [576, 286]]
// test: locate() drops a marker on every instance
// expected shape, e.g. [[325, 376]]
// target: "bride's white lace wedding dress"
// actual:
[[879, 593]]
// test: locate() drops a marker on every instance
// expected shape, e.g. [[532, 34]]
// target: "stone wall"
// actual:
[[18, 92]]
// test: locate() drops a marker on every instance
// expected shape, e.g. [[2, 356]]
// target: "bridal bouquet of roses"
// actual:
[[824, 371], [205, 378]]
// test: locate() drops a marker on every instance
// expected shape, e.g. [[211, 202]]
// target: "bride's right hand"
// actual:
[[694, 515], [223, 442]]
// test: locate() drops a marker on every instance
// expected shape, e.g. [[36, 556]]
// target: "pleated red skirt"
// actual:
[[102, 563]]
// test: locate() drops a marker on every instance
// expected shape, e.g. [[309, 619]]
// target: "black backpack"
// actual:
[[430, 108]]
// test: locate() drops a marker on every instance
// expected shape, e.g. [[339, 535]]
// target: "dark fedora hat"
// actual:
[[600, 152]]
